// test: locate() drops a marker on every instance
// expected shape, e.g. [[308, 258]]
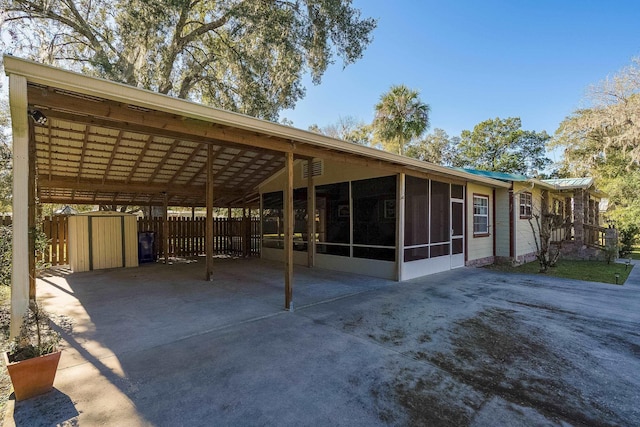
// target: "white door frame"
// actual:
[[457, 260]]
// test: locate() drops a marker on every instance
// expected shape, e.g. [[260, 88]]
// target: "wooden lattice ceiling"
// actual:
[[85, 157]]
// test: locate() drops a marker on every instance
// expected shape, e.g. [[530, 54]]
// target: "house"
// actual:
[[391, 225], [576, 201], [83, 140], [401, 227]]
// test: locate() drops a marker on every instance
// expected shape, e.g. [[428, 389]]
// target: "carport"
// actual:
[[92, 141], [83, 140]]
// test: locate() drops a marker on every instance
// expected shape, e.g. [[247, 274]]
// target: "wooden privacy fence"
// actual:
[[235, 236], [56, 228]]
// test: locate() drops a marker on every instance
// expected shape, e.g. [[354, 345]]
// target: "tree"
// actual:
[[436, 147], [610, 124], [502, 146], [242, 55], [6, 173], [348, 129], [400, 117], [603, 140], [547, 252]]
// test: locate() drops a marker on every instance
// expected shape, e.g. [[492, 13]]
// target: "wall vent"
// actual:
[[317, 168]]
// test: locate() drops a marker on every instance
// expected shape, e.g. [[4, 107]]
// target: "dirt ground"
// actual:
[[470, 347]]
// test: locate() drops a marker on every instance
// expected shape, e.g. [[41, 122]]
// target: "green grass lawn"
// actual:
[[591, 271], [635, 254]]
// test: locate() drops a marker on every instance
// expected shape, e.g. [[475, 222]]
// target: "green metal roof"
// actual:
[[502, 176], [560, 184]]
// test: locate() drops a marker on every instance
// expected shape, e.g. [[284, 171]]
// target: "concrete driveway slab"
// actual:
[[158, 346]]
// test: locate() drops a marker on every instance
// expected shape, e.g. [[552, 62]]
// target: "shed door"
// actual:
[[106, 242]]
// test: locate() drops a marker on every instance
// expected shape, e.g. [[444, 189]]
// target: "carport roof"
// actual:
[[109, 143], [570, 183]]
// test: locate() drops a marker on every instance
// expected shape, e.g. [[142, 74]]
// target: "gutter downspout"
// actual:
[[495, 229], [511, 225]]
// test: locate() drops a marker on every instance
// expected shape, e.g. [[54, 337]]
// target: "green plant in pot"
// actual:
[[33, 357]]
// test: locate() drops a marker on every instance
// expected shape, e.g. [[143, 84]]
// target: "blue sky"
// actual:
[[474, 60]]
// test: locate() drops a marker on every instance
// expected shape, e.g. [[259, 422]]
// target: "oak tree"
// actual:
[[242, 55], [502, 145], [436, 147], [603, 140], [609, 124], [346, 128]]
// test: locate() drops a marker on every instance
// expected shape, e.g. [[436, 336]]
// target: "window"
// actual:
[[440, 205], [333, 215], [357, 219], [273, 220], [273, 226], [480, 215], [416, 219], [430, 217], [300, 219], [525, 205], [374, 218]]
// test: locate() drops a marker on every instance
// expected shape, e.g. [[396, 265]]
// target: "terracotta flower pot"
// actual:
[[34, 376]]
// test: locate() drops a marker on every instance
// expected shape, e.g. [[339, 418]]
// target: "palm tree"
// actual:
[[400, 117]]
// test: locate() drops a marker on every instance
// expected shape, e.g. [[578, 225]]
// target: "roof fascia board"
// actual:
[[119, 92]]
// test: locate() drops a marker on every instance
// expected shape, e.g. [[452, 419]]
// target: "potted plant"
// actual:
[[33, 357]]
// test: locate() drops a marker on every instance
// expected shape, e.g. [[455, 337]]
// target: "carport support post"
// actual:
[[20, 255], [165, 227], [311, 215], [400, 189], [32, 212], [209, 220], [288, 232], [229, 237]]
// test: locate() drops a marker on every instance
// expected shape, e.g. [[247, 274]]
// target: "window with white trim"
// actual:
[[526, 203], [480, 215]]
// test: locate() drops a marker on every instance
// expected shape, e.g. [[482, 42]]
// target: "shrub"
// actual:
[[628, 236], [5, 255], [37, 336], [41, 246]]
